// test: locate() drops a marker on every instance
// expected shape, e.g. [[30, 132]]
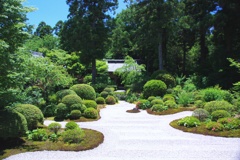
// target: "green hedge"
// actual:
[[85, 91], [69, 100], [91, 113], [154, 88]]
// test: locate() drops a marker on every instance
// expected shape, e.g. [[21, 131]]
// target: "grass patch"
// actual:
[[202, 130], [171, 110], [20, 145]]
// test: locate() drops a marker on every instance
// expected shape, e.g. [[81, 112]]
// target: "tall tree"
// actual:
[[58, 27], [43, 29], [86, 29]]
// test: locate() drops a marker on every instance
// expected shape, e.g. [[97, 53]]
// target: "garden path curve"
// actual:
[[140, 136]]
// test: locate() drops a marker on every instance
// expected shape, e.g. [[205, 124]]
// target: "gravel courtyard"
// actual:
[[140, 136]]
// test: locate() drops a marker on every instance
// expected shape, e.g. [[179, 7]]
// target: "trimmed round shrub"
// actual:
[[100, 100], [168, 79], [61, 111], [73, 135], [62, 93], [109, 89], [32, 114], [159, 108], [143, 104], [151, 98], [154, 88], [171, 104], [199, 103], [104, 94], [12, 124], [75, 114], [201, 114], [85, 91], [69, 100], [212, 94], [157, 101], [230, 123], [54, 127], [218, 105], [87, 79], [168, 97], [71, 125], [219, 114], [90, 104], [78, 106], [91, 113], [189, 122], [214, 126], [49, 110], [110, 100]]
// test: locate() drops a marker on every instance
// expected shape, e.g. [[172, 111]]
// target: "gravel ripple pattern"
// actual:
[[140, 136]]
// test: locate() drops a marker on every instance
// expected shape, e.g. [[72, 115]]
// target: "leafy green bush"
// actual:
[[49, 110], [218, 105], [189, 122], [71, 125], [75, 114], [214, 126], [219, 114], [168, 97], [91, 113], [37, 135], [78, 106], [62, 93], [212, 94], [73, 135], [199, 103], [120, 95], [151, 98], [87, 79], [159, 108], [12, 123], [61, 111], [168, 79], [85, 91], [157, 101], [100, 100], [170, 104], [185, 98], [201, 114], [110, 100], [143, 104], [54, 127], [32, 114], [69, 100], [109, 89], [154, 88], [230, 123], [104, 94], [90, 104]]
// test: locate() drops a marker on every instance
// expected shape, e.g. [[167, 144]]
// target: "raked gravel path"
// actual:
[[140, 136]]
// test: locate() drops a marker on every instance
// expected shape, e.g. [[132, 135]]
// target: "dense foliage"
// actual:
[[154, 88], [84, 91]]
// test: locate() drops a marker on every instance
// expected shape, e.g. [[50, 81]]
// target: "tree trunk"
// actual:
[[160, 53], [94, 71]]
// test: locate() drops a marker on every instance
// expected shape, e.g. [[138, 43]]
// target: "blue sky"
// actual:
[[51, 11]]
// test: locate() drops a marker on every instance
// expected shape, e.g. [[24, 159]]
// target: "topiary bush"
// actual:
[[171, 104], [75, 114], [219, 114], [201, 114], [61, 111], [54, 127], [62, 93], [104, 94], [154, 88], [69, 100], [189, 122], [213, 94], [85, 91], [151, 98], [12, 124], [100, 100], [91, 113], [109, 89], [168, 97], [32, 114], [73, 135], [214, 126], [159, 108], [168, 79], [157, 101], [90, 104], [230, 123], [143, 104], [78, 106], [218, 105], [110, 100], [71, 125], [199, 103]]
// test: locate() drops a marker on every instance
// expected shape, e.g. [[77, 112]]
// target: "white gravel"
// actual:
[[141, 136]]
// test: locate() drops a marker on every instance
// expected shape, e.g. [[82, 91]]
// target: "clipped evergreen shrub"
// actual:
[[199, 103], [159, 108], [212, 94], [62, 93], [78, 106], [100, 100], [168, 79], [214, 126], [219, 114], [154, 88], [73, 135], [218, 105], [110, 100], [157, 101], [75, 114], [54, 127], [109, 89], [189, 122], [90, 104], [71, 125], [32, 114], [171, 104], [91, 113], [61, 111], [143, 104], [201, 114], [85, 91], [104, 94], [168, 97], [151, 98], [230, 123], [12, 124], [69, 100]]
